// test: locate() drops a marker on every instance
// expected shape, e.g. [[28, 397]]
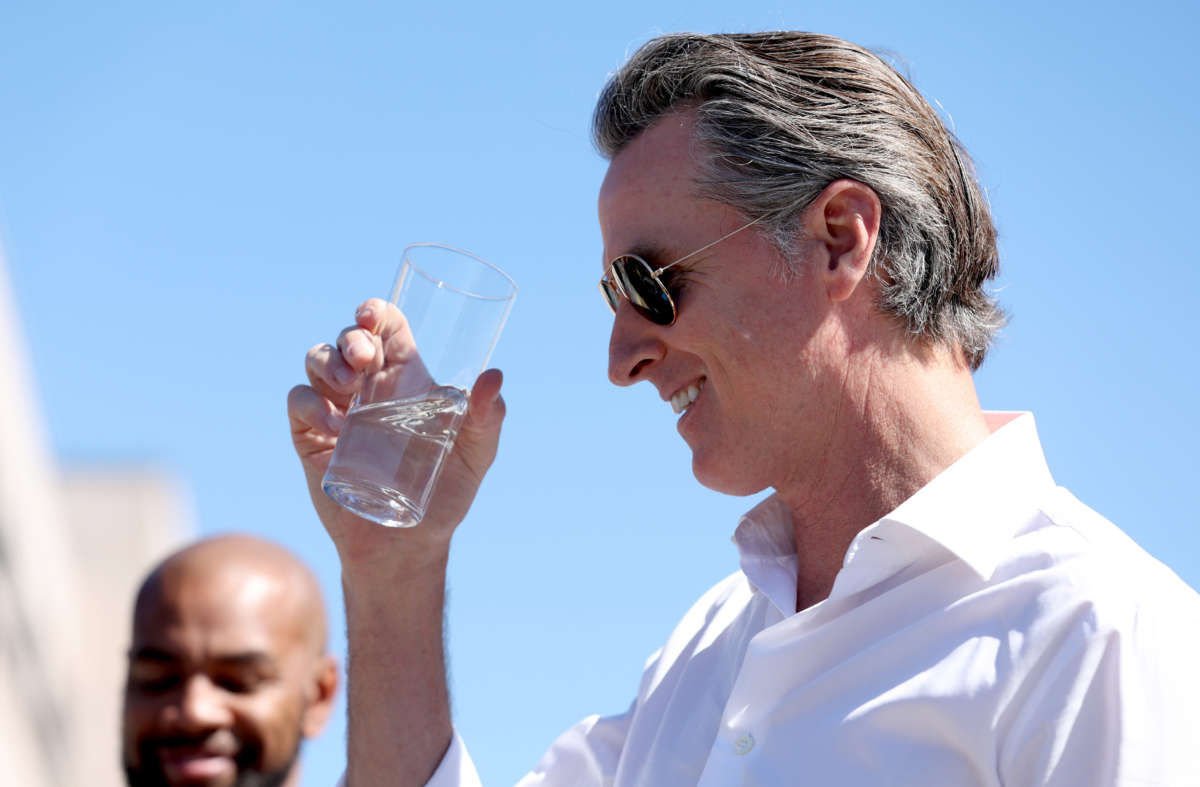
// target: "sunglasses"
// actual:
[[630, 277]]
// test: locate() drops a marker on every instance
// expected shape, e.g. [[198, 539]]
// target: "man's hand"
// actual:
[[317, 411]]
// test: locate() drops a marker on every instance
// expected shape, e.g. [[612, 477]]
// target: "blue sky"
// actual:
[[192, 195]]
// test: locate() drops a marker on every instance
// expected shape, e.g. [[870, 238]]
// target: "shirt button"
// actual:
[[744, 744]]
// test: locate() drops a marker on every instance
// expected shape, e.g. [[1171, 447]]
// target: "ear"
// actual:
[[843, 222], [323, 688]]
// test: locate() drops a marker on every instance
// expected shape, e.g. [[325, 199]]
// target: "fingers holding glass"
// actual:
[[415, 360], [315, 421], [331, 375]]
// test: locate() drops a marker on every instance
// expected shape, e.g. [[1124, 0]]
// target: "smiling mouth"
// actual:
[[187, 761], [196, 765], [683, 399]]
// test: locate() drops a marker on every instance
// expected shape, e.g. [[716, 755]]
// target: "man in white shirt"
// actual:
[[795, 252]]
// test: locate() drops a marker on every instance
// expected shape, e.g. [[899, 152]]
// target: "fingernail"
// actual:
[[343, 374], [334, 421], [363, 312]]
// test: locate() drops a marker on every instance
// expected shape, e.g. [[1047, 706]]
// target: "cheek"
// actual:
[[139, 718], [140, 711], [273, 722]]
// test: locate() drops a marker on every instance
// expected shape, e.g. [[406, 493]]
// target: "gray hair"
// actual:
[[784, 114]]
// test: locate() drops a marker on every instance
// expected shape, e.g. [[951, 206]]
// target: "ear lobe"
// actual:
[[324, 690], [844, 219]]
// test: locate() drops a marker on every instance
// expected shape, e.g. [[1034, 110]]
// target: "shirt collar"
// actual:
[[767, 547], [974, 506], [970, 509]]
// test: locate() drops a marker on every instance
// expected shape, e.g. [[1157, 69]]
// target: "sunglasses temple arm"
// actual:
[[726, 236]]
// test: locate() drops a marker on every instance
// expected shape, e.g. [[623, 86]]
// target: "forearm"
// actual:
[[394, 579], [399, 712]]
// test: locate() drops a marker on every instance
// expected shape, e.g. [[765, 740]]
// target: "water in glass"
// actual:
[[388, 451]]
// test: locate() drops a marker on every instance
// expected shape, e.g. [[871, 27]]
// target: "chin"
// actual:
[[720, 479]]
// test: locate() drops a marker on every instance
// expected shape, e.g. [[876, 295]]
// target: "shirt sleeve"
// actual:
[[1117, 706], [586, 755], [583, 756], [589, 754], [455, 769]]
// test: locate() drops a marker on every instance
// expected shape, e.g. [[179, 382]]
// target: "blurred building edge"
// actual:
[[73, 546], [121, 520]]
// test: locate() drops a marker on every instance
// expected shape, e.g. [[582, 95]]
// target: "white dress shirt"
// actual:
[[992, 630]]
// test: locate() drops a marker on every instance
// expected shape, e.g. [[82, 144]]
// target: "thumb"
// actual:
[[480, 432], [486, 410]]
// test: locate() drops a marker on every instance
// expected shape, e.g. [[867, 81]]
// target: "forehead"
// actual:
[[199, 616], [648, 193]]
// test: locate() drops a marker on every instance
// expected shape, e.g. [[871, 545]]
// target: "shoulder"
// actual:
[[1103, 652], [1074, 579], [1092, 556], [724, 618], [724, 605]]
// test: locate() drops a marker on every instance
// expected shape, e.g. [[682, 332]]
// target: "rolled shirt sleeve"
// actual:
[[455, 769], [583, 756]]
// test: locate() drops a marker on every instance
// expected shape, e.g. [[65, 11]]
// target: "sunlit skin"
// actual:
[[227, 668], [809, 388]]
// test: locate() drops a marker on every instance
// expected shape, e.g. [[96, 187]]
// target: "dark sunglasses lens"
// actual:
[[611, 296], [645, 292]]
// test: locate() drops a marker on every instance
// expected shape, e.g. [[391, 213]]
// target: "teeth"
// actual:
[[681, 400]]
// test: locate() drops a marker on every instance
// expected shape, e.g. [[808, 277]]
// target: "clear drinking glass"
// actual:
[[404, 420]]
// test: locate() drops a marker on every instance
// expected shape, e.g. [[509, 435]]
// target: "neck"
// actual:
[[901, 424]]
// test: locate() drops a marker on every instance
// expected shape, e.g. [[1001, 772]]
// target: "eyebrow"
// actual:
[[247, 658], [149, 653], [650, 252]]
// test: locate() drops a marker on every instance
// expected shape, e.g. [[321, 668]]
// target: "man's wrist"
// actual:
[[391, 570]]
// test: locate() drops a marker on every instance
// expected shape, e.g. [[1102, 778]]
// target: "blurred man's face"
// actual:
[[220, 675]]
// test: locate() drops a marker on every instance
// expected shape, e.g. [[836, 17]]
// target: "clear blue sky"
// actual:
[[191, 195]]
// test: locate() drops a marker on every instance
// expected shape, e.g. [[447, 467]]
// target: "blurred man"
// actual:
[[228, 671], [795, 253]]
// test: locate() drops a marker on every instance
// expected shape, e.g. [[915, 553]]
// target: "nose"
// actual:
[[201, 705], [633, 346]]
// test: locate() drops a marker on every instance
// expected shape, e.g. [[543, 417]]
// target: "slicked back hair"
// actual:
[[781, 115]]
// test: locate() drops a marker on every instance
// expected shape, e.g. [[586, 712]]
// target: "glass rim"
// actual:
[[405, 259]]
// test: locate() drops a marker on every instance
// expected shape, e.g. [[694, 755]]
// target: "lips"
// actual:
[[192, 765], [208, 761], [197, 767]]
